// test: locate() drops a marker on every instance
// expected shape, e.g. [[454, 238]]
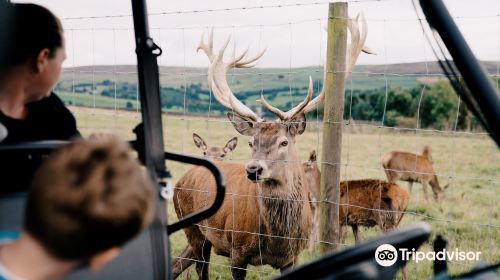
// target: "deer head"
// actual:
[[272, 143], [216, 153]]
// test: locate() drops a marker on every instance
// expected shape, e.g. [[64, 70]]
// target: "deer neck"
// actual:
[[283, 203]]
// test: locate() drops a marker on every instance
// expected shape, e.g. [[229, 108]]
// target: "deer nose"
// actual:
[[254, 171]]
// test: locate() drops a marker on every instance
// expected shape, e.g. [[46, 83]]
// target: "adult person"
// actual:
[[30, 65], [31, 60], [87, 199]]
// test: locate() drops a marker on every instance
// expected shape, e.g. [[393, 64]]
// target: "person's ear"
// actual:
[[41, 60], [98, 260]]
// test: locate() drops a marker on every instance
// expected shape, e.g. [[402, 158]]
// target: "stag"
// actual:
[[212, 152], [266, 216]]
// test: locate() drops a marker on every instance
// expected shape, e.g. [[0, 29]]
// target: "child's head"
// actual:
[[87, 198]]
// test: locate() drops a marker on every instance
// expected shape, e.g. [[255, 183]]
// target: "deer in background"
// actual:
[[266, 217], [361, 199], [313, 177], [365, 203], [410, 167], [215, 153]]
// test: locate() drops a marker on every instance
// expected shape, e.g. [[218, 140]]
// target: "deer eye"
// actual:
[[204, 153], [223, 155], [250, 144], [284, 143]]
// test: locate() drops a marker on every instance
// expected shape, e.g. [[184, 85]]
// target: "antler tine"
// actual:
[[292, 112], [217, 79], [318, 99], [249, 63], [357, 46], [207, 48], [235, 60], [271, 108]]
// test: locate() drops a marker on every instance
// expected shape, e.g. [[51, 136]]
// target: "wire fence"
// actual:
[[100, 84]]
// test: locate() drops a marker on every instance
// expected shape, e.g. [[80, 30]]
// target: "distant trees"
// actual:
[[434, 105]]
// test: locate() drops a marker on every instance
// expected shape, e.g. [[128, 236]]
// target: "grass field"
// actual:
[[469, 216]]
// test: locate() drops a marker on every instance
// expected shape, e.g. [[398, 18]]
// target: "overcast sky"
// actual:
[[294, 35]]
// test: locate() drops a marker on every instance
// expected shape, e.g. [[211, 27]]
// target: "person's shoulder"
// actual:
[[49, 105], [54, 100]]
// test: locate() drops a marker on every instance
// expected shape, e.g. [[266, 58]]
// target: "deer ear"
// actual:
[[243, 125], [198, 141], [312, 156], [297, 124], [231, 145]]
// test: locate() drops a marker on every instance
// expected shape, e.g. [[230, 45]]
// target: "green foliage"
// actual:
[[434, 105]]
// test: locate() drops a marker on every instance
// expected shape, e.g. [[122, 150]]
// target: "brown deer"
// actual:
[[365, 203], [215, 153], [266, 216], [371, 202], [313, 177], [361, 199], [413, 168]]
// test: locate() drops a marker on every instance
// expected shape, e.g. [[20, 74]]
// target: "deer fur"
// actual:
[[263, 221], [358, 198], [212, 152], [313, 176], [412, 168], [371, 202]]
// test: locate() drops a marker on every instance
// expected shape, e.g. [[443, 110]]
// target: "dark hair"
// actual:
[[29, 28], [87, 197]]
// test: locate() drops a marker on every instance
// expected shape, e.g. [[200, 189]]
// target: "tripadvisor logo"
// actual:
[[387, 255]]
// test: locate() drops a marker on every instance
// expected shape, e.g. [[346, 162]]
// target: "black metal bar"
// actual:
[[152, 134], [38, 147], [219, 196], [149, 89], [480, 87], [359, 262]]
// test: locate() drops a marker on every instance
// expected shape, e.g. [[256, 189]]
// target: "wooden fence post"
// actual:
[[332, 125]]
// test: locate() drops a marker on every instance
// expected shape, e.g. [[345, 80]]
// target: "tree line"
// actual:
[[435, 105]]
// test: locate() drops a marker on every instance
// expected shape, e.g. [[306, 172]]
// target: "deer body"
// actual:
[[371, 202], [239, 219], [360, 201], [313, 177], [412, 168], [255, 214]]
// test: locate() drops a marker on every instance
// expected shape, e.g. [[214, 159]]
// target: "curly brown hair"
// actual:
[[87, 197]]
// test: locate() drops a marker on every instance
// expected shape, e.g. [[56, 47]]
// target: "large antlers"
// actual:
[[217, 76], [357, 46], [218, 69], [223, 94]]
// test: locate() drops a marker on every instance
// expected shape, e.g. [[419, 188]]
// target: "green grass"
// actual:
[[471, 163], [99, 101]]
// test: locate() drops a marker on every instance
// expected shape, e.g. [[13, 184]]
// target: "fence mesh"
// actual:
[[398, 100]]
